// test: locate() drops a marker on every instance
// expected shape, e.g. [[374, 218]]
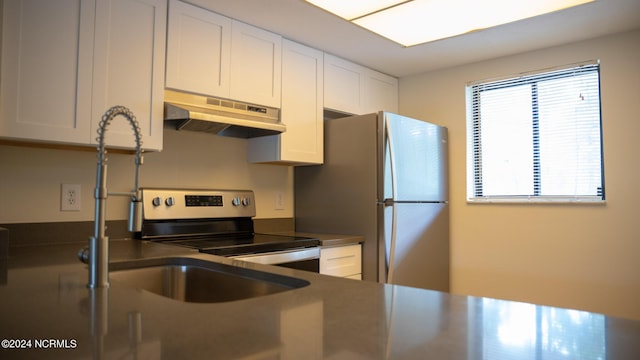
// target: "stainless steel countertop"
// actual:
[[333, 318]]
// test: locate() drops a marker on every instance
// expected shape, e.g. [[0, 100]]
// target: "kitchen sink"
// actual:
[[191, 279]]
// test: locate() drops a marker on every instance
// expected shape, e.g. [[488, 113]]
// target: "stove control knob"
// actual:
[[246, 201], [236, 201], [156, 201], [170, 201]]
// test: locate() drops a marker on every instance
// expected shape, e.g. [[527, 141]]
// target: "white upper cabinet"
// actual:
[[302, 106], [381, 92], [343, 85], [65, 62], [198, 50], [355, 89], [213, 55], [256, 65], [47, 56], [129, 69]]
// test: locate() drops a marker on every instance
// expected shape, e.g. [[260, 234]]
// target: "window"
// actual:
[[536, 137]]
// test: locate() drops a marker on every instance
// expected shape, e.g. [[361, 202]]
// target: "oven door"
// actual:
[[307, 259]]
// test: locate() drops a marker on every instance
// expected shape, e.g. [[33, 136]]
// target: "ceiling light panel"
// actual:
[[352, 9], [415, 22]]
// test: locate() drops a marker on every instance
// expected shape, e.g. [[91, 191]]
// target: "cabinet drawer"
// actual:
[[341, 260]]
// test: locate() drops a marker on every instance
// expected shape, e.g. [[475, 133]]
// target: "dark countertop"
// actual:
[[332, 318]]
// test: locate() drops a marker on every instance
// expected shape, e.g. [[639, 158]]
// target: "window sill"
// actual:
[[537, 200]]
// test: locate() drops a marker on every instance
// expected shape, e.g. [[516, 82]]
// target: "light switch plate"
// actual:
[[279, 200]]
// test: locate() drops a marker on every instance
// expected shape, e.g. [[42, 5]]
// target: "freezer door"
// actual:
[[416, 245], [415, 160]]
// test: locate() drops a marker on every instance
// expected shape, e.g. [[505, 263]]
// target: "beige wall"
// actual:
[[30, 178], [577, 256]]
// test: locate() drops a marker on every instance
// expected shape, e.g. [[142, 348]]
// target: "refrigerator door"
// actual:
[[415, 160], [416, 244]]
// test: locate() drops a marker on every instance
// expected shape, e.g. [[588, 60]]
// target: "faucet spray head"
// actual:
[[98, 254]]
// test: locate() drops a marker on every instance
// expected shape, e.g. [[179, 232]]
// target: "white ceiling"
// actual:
[[304, 23]]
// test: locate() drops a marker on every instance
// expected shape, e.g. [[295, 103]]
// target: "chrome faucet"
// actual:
[[97, 255]]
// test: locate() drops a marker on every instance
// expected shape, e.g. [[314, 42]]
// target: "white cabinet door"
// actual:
[[198, 50], [129, 68], [343, 261], [301, 112], [210, 54], [355, 89], [381, 92], [64, 63], [343, 85], [47, 50], [256, 58]]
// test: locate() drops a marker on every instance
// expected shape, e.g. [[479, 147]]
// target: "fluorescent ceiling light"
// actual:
[[419, 21], [352, 9]]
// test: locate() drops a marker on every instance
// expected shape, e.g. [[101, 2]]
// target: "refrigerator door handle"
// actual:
[[392, 250], [392, 162], [392, 244]]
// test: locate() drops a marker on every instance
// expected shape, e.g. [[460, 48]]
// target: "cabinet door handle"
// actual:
[[341, 257]]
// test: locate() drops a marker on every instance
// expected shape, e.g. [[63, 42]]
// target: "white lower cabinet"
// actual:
[[342, 261]]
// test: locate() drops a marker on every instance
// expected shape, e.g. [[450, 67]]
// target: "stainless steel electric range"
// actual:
[[220, 222]]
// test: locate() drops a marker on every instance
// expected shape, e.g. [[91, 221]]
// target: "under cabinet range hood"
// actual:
[[220, 116]]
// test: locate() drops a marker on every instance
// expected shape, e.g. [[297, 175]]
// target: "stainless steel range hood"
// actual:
[[220, 116]]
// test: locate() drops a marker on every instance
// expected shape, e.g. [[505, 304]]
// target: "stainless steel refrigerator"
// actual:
[[384, 177]]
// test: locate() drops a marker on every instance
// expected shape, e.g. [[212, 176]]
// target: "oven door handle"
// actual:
[[281, 257]]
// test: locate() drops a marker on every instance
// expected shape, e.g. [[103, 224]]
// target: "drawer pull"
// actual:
[[341, 257]]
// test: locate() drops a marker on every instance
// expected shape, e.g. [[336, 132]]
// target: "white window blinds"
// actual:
[[536, 137]]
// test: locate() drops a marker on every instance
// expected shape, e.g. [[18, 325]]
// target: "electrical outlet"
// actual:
[[70, 197], [279, 200]]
